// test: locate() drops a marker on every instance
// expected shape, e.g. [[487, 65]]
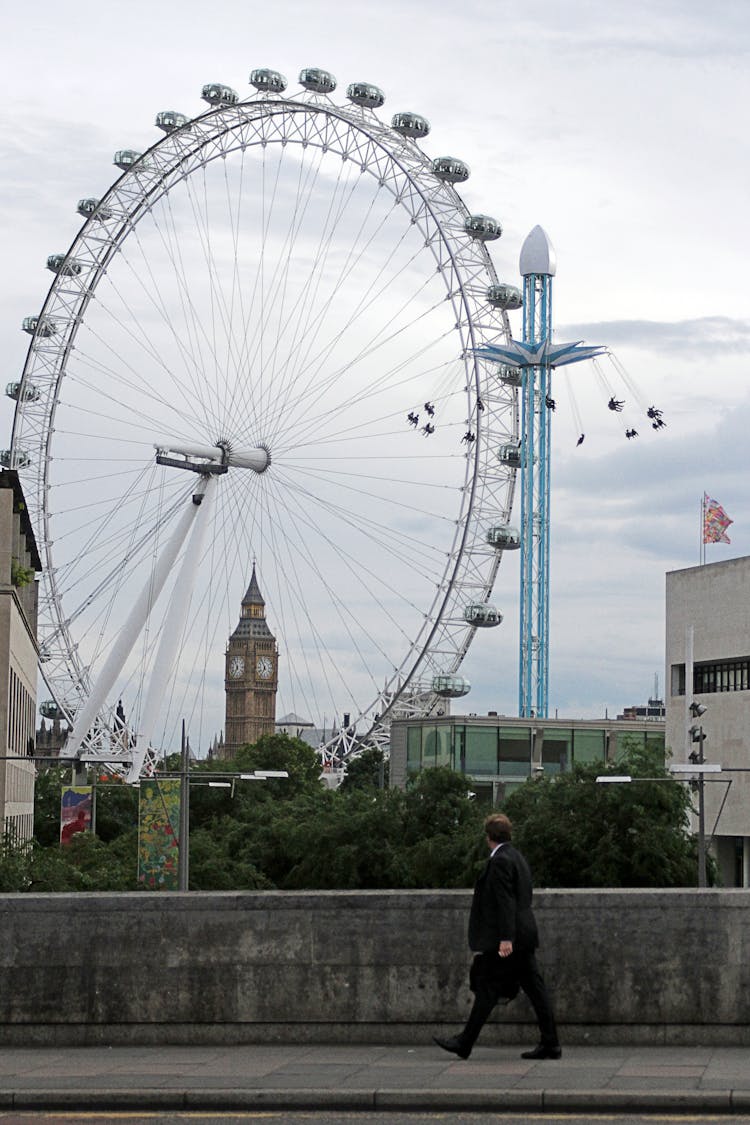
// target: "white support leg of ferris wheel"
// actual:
[[123, 646], [171, 632]]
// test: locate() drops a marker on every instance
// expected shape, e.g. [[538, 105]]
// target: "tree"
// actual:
[[443, 829], [47, 791], [369, 770], [280, 752], [577, 833]]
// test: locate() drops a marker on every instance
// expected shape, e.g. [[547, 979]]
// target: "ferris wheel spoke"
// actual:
[[310, 366], [401, 547], [221, 309], [141, 381], [341, 610], [421, 547], [299, 629], [180, 319], [389, 380], [307, 182], [311, 308]]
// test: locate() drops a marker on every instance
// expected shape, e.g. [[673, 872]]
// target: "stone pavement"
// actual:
[[383, 1078], [710, 1079]]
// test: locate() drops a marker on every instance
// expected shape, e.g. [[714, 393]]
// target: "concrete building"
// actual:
[[499, 752], [19, 565], [711, 604]]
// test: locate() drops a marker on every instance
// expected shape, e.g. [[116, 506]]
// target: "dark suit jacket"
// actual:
[[501, 908]]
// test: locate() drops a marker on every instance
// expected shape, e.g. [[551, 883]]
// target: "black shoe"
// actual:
[[543, 1051], [454, 1045]]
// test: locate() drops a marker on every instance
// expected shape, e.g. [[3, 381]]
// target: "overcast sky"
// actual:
[[620, 128]]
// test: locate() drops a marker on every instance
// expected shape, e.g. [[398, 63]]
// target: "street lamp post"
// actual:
[[226, 781], [696, 733], [183, 855], [700, 768]]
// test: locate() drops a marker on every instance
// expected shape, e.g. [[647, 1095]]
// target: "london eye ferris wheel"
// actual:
[[282, 296]]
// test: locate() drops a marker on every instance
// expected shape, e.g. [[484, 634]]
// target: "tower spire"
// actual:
[[253, 595]]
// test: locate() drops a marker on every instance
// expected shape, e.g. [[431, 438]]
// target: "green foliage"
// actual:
[[368, 771], [280, 752], [85, 864], [443, 829], [20, 575], [47, 791], [116, 810], [294, 833], [576, 833]]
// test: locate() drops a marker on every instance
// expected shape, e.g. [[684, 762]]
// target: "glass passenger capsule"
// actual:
[[41, 325], [268, 81], [63, 265], [510, 454], [50, 710], [482, 227], [89, 207], [504, 537], [504, 296], [125, 158], [316, 80], [18, 460], [30, 392], [483, 615], [364, 94], [451, 170], [511, 376], [170, 119], [410, 124], [450, 686], [217, 94]]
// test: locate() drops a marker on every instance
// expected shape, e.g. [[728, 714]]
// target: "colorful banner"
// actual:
[[158, 833], [715, 522], [76, 805]]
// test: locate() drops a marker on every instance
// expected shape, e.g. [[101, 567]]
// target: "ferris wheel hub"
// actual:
[[211, 459]]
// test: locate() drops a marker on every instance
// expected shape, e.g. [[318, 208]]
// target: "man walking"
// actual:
[[503, 935]]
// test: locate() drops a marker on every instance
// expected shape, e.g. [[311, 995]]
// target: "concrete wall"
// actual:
[[714, 600], [18, 663], [380, 966]]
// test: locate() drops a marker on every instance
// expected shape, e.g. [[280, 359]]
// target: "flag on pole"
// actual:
[[715, 521]]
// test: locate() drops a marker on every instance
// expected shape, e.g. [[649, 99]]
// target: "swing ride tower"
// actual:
[[537, 266], [536, 357]]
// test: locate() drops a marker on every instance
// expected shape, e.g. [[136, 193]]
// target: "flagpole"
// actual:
[[702, 536]]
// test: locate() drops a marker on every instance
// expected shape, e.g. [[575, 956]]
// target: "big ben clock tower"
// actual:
[[250, 675]]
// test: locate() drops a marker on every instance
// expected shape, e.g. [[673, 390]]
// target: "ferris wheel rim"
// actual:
[[383, 137]]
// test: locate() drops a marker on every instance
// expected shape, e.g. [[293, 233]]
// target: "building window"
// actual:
[[721, 675], [514, 752], [436, 746], [589, 746], [481, 750], [413, 749], [678, 679], [556, 750]]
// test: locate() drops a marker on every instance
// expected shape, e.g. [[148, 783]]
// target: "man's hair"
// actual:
[[498, 828]]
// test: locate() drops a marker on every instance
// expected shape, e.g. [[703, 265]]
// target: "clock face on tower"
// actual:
[[264, 667], [236, 667]]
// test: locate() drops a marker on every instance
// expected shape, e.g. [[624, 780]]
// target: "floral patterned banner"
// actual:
[[158, 833]]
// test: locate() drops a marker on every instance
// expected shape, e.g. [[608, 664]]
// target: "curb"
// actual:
[[403, 1101]]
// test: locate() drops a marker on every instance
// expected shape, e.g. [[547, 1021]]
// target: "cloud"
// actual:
[[701, 337]]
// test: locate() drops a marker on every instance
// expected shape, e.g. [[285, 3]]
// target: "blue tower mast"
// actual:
[[537, 267], [536, 356]]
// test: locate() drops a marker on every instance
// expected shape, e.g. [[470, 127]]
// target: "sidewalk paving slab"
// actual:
[[386, 1078]]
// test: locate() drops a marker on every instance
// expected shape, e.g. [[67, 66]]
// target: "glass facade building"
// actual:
[[500, 753]]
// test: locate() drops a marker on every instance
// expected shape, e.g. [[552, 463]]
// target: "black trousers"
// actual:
[[494, 978]]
